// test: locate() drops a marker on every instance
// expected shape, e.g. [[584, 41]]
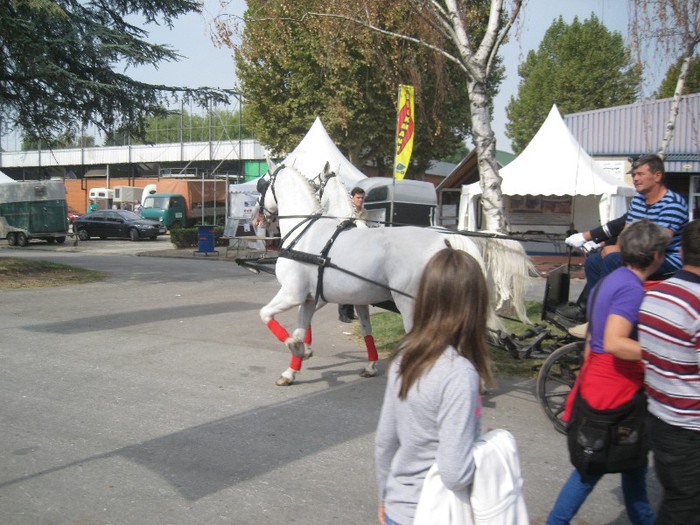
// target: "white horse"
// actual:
[[362, 266], [508, 266]]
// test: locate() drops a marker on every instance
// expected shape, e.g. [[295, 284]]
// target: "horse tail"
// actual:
[[511, 269], [466, 244]]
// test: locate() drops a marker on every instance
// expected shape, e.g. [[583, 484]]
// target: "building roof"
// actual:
[[637, 129], [440, 168], [467, 171]]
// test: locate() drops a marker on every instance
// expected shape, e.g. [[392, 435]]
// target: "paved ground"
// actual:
[[149, 399]]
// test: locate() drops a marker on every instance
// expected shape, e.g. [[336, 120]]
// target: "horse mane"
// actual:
[[336, 199], [306, 187]]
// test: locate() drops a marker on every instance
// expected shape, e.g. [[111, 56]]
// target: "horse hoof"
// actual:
[[308, 353], [296, 347], [283, 381], [368, 373]]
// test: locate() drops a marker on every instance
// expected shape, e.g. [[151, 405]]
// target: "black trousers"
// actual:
[[677, 464], [346, 310]]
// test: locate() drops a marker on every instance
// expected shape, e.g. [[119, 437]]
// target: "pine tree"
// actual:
[[60, 65]]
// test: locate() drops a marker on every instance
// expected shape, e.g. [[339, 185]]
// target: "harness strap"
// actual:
[[309, 258], [324, 254], [323, 261], [307, 222]]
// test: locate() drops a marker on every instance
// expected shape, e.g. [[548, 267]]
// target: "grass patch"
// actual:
[[387, 329], [23, 273]]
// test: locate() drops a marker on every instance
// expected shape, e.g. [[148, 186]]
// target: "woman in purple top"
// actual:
[[613, 372]]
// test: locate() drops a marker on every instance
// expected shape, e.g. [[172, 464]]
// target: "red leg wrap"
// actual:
[[307, 339], [295, 363], [371, 349], [278, 330]]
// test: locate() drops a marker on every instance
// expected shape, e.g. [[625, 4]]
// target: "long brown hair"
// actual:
[[451, 309]]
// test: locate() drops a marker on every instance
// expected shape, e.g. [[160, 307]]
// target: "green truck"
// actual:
[[33, 210]]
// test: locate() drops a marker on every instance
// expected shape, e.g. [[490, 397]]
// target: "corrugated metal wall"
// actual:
[[180, 152], [636, 129]]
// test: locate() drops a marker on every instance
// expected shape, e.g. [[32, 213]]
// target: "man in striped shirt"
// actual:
[[653, 201], [669, 334]]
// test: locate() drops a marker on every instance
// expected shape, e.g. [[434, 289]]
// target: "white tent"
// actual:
[[317, 148], [309, 157], [553, 166], [242, 200]]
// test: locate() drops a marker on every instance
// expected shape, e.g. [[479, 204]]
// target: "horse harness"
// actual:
[[322, 260]]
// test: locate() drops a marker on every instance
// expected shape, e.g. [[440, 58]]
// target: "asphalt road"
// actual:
[[149, 398]]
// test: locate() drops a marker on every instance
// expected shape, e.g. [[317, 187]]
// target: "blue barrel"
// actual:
[[205, 239]]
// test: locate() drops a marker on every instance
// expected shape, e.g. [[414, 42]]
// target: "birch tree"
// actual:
[[673, 26], [456, 31], [448, 29]]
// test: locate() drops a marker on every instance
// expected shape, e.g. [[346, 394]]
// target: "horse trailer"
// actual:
[[33, 210], [413, 201]]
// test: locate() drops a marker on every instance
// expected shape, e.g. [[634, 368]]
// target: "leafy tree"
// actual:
[[59, 62], [670, 81], [467, 33], [215, 125], [578, 67], [674, 27], [458, 155], [67, 139], [294, 67]]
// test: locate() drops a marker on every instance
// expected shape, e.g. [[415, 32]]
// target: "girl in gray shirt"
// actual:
[[431, 410]]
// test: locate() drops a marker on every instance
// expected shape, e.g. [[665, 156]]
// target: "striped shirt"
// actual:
[[669, 333], [670, 212]]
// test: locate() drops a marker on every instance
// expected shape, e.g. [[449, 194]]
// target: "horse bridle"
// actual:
[[265, 184]]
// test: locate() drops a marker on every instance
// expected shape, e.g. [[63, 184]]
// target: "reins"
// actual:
[[465, 233]]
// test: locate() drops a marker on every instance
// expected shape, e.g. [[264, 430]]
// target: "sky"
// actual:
[[206, 65]]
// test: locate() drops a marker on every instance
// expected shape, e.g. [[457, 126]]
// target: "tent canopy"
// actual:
[[554, 164], [317, 148]]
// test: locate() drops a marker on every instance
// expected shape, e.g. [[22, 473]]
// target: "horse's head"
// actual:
[[323, 178], [285, 183], [334, 196], [267, 203]]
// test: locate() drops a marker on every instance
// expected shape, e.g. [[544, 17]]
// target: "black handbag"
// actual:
[[607, 441]]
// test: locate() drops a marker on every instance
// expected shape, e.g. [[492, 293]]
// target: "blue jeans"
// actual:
[[597, 267], [575, 491]]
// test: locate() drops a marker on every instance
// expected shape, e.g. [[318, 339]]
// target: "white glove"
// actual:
[[591, 246], [576, 240]]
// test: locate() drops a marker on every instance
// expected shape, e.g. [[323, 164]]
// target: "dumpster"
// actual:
[[205, 240]]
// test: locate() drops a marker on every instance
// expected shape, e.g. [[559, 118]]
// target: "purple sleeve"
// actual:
[[626, 303], [622, 295]]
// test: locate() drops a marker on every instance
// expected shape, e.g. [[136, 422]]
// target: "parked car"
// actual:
[[116, 223]]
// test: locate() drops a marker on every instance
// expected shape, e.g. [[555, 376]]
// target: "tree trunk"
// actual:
[[485, 143], [675, 106]]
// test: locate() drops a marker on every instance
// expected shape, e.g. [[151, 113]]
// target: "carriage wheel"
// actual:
[[555, 380]]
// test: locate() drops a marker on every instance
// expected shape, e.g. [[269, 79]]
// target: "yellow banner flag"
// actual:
[[404, 132]]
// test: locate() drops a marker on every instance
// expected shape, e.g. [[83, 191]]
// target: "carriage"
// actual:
[[319, 263]]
